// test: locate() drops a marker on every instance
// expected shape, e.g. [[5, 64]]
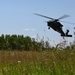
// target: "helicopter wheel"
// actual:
[[48, 27]]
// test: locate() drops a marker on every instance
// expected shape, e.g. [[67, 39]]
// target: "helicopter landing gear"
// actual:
[[48, 27]]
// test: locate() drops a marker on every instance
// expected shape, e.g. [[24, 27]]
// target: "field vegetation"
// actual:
[[21, 55], [61, 62]]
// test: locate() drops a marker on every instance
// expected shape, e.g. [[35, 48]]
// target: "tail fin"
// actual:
[[66, 35], [67, 31]]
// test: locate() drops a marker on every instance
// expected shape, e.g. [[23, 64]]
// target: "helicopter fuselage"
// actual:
[[57, 26]]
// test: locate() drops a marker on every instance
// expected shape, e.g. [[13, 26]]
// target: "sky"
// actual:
[[17, 17]]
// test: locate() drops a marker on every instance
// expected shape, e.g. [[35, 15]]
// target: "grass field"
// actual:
[[60, 62]]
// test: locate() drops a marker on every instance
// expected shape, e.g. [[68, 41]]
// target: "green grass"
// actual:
[[60, 62]]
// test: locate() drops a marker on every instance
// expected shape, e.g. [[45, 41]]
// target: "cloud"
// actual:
[[34, 36], [29, 29]]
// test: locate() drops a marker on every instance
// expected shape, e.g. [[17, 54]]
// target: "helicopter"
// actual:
[[56, 25]]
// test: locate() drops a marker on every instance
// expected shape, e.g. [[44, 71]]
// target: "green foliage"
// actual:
[[60, 62], [18, 42]]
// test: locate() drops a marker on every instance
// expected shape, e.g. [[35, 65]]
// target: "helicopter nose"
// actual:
[[48, 23]]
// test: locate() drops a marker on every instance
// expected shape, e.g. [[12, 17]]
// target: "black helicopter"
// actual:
[[56, 25]]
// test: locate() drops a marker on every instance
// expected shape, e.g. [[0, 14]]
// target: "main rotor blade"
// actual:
[[44, 16], [68, 22], [64, 16]]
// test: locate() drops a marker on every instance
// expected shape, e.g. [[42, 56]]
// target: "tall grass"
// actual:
[[60, 62]]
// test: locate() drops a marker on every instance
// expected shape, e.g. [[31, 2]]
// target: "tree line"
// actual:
[[20, 42]]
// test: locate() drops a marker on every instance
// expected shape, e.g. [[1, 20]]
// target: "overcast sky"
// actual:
[[17, 17]]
